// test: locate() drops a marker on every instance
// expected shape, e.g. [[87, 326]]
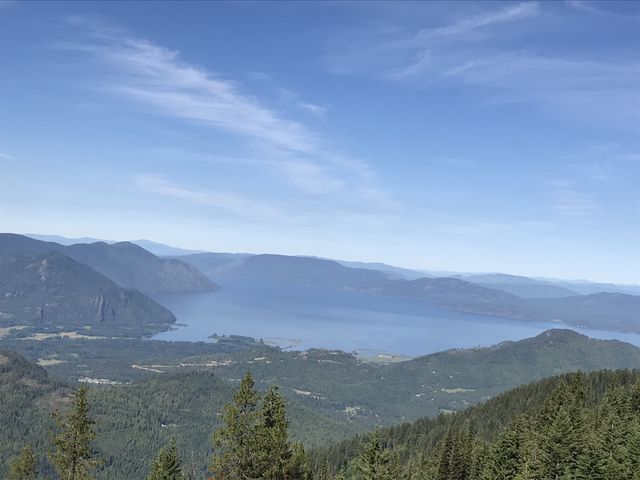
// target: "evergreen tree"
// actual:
[[274, 446], [25, 465], [613, 431], [73, 456], [298, 467], [254, 441], [167, 465], [444, 463], [239, 456], [508, 454], [375, 462]]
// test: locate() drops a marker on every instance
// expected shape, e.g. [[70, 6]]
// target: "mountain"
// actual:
[[162, 250], [586, 288], [64, 240], [493, 295], [608, 311], [284, 269], [614, 311], [524, 287], [214, 265], [53, 292], [399, 272], [124, 262], [458, 295]]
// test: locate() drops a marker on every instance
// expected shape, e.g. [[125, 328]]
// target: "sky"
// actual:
[[472, 137]]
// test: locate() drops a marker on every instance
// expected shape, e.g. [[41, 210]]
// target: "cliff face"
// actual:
[[54, 292]]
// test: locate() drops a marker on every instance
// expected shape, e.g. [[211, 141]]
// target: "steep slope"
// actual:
[[53, 292], [132, 266], [125, 263]]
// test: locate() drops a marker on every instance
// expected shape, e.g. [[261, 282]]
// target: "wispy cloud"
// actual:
[[161, 79], [485, 51], [470, 23], [596, 8], [5, 156], [294, 99], [230, 202]]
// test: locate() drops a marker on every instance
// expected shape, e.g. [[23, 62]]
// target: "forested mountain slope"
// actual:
[[572, 426], [133, 421], [338, 384]]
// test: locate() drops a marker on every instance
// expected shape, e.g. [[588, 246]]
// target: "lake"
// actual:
[[308, 317]]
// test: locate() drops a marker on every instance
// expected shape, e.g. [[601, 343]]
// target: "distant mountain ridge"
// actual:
[[614, 311], [526, 287], [159, 249], [125, 263]]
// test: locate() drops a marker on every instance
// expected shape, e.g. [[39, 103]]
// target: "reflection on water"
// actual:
[[303, 317]]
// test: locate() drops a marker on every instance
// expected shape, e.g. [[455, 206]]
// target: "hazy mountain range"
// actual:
[[615, 311], [126, 263], [131, 266]]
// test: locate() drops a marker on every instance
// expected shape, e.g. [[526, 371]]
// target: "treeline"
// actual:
[[574, 427], [252, 443]]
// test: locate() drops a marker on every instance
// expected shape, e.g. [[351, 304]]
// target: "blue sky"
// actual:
[[453, 136]]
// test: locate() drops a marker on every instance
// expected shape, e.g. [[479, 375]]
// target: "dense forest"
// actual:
[[576, 426]]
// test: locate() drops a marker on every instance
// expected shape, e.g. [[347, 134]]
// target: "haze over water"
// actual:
[[306, 317]]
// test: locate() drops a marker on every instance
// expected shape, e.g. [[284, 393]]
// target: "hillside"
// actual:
[[125, 263], [516, 423], [133, 421], [337, 384], [54, 293]]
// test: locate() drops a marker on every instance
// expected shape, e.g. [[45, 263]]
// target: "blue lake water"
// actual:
[[305, 317]]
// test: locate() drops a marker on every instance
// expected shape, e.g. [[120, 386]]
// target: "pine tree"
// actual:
[[73, 456], [375, 462], [613, 431], [444, 463], [298, 467], [239, 456], [508, 454], [167, 465], [274, 446], [25, 465]]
